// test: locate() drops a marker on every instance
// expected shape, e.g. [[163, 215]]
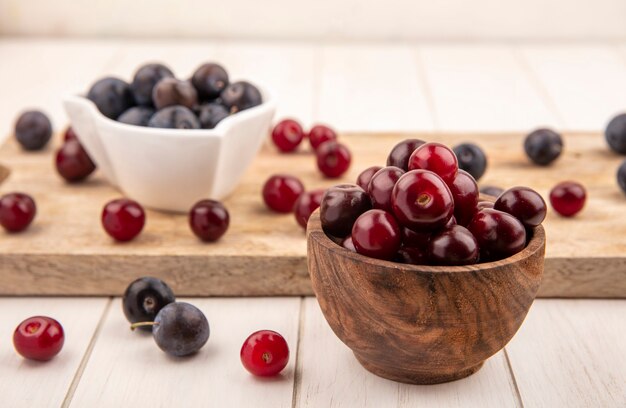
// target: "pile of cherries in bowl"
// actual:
[[422, 209], [155, 98]]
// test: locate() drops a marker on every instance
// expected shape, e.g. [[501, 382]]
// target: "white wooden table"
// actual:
[[568, 353]]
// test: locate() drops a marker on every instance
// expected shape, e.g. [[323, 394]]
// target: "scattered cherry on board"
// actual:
[[17, 211], [209, 220], [281, 191], [287, 135], [265, 353], [39, 338], [123, 219], [568, 198]]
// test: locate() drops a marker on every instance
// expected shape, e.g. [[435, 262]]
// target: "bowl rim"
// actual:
[[316, 233], [219, 131]]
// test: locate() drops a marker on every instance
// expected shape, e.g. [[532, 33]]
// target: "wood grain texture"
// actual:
[[128, 369], [26, 383], [571, 353], [338, 380], [66, 251], [422, 324]]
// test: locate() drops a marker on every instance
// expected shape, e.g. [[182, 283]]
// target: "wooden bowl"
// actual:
[[422, 324]]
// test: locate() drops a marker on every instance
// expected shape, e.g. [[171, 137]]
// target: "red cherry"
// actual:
[[436, 158], [320, 134], [568, 198], [123, 219], [465, 193], [306, 204], [38, 338], [17, 211], [453, 246], [69, 134], [281, 191], [523, 203], [287, 135], [265, 353], [400, 154], [376, 234], [499, 235], [422, 201], [381, 185], [366, 175], [209, 220], [333, 159], [72, 161]]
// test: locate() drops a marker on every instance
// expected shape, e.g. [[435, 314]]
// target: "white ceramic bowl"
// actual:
[[171, 169]]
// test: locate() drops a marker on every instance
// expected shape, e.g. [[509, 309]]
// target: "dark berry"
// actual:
[[499, 235], [17, 211], [123, 219], [491, 190], [144, 81], [621, 176], [241, 95], [381, 185], [33, 130], [264, 353], [287, 135], [174, 117], [348, 244], [72, 162], [471, 158], [209, 220], [70, 134], [209, 80], [211, 114], [137, 116], [454, 245], [376, 234], [400, 154], [144, 298], [306, 204], [320, 134], [523, 203], [112, 96], [422, 201], [341, 205], [568, 198], [39, 338], [615, 134], [465, 193], [180, 329], [172, 91], [412, 238], [437, 158], [543, 146], [333, 159], [281, 191], [412, 255], [363, 180]]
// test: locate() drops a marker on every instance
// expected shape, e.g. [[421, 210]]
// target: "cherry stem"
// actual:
[[142, 324]]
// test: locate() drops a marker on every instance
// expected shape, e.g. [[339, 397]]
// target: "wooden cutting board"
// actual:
[[66, 252]]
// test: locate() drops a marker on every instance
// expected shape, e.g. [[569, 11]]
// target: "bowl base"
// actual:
[[416, 377]]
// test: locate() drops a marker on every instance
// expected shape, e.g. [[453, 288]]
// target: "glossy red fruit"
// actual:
[[437, 158], [412, 255], [376, 234], [38, 338], [348, 244], [69, 134], [287, 135], [17, 211], [340, 207], [465, 193], [281, 191], [73, 163], [422, 201], [320, 134], [123, 219], [400, 154], [333, 159], [366, 175], [454, 245], [265, 353], [209, 220], [568, 198], [523, 203], [499, 235], [381, 185], [306, 204]]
